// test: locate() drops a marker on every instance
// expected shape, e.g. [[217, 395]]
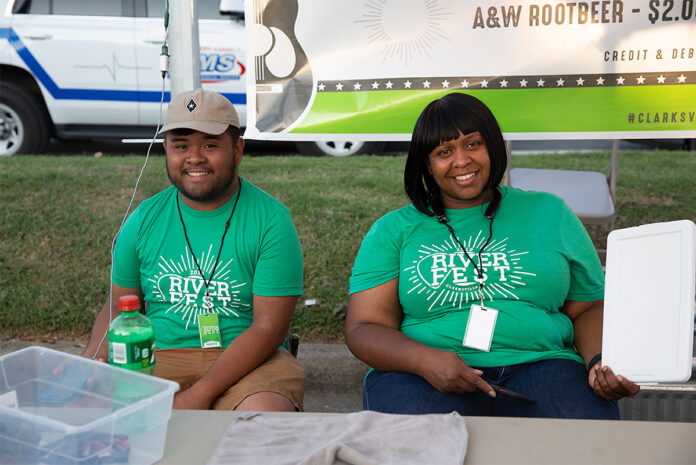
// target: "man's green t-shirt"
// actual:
[[261, 255], [540, 255]]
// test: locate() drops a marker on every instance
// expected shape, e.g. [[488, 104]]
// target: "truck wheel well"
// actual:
[[26, 81]]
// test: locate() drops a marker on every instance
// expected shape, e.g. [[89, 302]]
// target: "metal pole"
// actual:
[[185, 64], [613, 174], [506, 176], [614, 169]]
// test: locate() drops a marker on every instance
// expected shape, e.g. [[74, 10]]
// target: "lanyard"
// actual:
[[222, 241], [479, 269]]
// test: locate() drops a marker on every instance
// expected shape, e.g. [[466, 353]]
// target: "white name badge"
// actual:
[[480, 328]]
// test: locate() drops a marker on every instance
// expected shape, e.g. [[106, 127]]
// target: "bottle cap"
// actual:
[[129, 303]]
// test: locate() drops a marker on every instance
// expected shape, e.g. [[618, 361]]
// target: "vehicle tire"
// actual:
[[24, 124], [339, 148]]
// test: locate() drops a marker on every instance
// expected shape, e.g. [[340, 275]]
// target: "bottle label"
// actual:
[[136, 355]]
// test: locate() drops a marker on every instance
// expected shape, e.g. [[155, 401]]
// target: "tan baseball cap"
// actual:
[[201, 110]]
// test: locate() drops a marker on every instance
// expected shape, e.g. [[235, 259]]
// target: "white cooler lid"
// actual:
[[649, 302]]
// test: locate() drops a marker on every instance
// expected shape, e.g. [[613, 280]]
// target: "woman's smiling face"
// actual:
[[461, 168]]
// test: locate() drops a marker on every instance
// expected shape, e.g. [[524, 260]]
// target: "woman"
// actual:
[[475, 286]]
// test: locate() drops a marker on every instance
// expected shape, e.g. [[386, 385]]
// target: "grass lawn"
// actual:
[[58, 216]]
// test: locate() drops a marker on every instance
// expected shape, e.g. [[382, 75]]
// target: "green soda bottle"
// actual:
[[132, 338]]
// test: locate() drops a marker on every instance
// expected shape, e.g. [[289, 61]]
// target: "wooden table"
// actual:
[[192, 436]]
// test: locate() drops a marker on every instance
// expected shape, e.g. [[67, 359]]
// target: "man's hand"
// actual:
[[247, 351], [447, 372], [190, 400], [108, 313], [100, 358], [608, 386]]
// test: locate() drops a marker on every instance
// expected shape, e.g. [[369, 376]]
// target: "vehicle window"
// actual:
[[207, 9], [69, 7], [35, 7], [87, 8]]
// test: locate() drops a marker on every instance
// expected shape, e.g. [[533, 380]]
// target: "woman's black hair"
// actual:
[[443, 120]]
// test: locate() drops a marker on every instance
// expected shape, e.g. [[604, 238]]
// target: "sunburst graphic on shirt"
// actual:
[[447, 277], [179, 282]]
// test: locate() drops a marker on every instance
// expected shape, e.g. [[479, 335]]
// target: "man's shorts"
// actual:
[[280, 373]]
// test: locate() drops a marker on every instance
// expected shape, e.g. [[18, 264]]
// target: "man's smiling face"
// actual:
[[203, 166]]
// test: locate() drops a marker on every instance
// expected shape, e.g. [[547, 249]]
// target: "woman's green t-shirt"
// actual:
[[539, 256]]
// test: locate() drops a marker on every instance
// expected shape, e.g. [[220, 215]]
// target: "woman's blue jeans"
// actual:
[[559, 387]]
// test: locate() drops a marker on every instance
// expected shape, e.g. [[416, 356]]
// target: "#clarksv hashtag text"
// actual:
[[662, 117]]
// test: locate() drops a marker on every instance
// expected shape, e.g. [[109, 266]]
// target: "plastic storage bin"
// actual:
[[89, 413]]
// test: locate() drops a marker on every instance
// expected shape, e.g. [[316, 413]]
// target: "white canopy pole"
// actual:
[[185, 64]]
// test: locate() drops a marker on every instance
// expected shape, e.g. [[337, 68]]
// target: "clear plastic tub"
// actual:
[[57, 408]]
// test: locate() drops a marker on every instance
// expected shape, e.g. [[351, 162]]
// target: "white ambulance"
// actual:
[[90, 69]]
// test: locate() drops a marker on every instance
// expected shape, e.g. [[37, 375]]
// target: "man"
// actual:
[[212, 254]]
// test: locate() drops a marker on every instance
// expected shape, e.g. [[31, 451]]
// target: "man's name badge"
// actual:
[[209, 328], [480, 328]]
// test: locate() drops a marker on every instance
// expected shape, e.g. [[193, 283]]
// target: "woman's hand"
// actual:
[[609, 386], [587, 320], [374, 336], [447, 372]]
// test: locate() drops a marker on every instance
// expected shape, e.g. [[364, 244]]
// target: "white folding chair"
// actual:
[[591, 195]]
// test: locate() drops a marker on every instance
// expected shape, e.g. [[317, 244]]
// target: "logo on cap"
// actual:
[[191, 105]]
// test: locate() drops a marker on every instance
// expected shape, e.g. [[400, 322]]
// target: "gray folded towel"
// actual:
[[361, 438]]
